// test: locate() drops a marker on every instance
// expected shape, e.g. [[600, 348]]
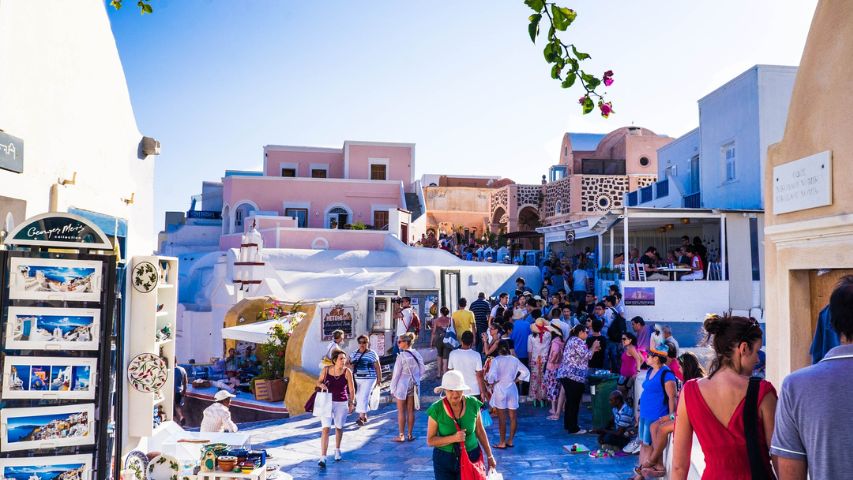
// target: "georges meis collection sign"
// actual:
[[59, 230]]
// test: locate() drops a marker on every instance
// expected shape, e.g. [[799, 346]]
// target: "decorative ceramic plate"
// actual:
[[163, 467], [137, 463], [147, 372], [145, 277]]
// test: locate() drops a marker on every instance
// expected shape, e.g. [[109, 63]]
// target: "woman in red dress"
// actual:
[[713, 407]]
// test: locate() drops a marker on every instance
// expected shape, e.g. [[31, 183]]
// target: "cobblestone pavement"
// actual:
[[370, 453]]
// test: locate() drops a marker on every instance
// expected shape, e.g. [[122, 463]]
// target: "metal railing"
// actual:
[[693, 200]]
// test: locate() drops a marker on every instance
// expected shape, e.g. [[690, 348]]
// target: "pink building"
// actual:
[[362, 186]]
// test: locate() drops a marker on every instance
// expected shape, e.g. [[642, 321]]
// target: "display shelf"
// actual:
[[144, 323], [259, 473]]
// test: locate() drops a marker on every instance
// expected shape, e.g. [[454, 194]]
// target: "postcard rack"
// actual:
[[61, 341]]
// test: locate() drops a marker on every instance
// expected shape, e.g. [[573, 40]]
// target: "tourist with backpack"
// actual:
[[439, 329], [613, 331], [658, 399], [731, 414]]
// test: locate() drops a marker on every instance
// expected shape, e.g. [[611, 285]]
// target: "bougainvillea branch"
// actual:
[[565, 58], [144, 7]]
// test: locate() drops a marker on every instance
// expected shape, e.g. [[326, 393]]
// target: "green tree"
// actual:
[[565, 59]]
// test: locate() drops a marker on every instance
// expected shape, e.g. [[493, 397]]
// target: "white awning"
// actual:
[[252, 333]]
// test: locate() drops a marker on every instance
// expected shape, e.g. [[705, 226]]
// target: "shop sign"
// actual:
[[803, 184], [11, 153], [338, 317], [570, 237], [205, 214], [59, 230], [640, 296]]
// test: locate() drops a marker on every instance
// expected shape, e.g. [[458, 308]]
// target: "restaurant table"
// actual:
[[673, 271]]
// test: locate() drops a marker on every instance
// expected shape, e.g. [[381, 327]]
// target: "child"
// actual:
[[616, 435]]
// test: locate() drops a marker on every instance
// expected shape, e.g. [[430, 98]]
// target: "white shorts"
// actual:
[[340, 410], [362, 393], [505, 397]]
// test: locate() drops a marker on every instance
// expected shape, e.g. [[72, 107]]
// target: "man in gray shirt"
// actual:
[[814, 426]]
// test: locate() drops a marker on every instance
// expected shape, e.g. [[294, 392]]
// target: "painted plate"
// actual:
[[163, 467], [137, 463], [147, 372], [145, 277]]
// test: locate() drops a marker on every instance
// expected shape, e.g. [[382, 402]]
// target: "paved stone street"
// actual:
[[369, 452]]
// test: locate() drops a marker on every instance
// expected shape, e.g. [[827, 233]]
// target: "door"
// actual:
[[451, 285], [694, 174], [404, 233]]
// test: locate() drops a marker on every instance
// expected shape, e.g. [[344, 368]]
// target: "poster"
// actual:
[[640, 296], [42, 328], [65, 378], [55, 279], [338, 317], [46, 427]]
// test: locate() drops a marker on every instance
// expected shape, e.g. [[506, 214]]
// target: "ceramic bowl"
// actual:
[[226, 462]]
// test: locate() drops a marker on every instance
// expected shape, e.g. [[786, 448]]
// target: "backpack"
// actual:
[[450, 336], [415, 324], [663, 381], [617, 327]]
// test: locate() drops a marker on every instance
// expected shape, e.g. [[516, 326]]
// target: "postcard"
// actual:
[[55, 279], [46, 427], [60, 467], [65, 378], [41, 328]]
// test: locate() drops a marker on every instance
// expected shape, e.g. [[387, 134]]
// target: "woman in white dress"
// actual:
[[538, 346], [406, 377], [503, 374]]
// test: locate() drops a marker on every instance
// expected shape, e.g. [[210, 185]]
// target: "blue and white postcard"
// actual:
[[61, 378], [42, 328], [61, 467], [46, 427], [55, 279]]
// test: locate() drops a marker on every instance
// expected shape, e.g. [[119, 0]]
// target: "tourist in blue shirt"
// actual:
[[520, 332]]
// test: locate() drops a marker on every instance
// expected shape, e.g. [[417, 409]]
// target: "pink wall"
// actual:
[[272, 193], [400, 161], [304, 238], [303, 159]]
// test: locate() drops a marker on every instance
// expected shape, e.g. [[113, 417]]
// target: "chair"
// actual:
[[632, 272], [641, 272], [715, 271]]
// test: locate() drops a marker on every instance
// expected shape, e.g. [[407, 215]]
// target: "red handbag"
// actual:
[[468, 470]]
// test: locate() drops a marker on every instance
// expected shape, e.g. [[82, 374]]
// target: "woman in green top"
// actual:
[[443, 435]]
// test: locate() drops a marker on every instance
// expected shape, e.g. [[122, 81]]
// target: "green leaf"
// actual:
[[580, 55], [555, 70], [588, 105], [533, 28], [590, 81], [536, 5], [147, 9], [116, 4], [570, 80], [552, 51], [563, 17]]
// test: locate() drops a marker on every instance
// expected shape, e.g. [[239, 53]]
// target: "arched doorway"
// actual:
[[241, 214], [528, 221], [338, 216]]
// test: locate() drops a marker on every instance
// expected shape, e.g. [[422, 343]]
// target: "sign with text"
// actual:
[[59, 230], [334, 318], [11, 153], [640, 296], [803, 184]]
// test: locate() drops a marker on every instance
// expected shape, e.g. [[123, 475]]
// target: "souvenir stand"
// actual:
[[61, 344]]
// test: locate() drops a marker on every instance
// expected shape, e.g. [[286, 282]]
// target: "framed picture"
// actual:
[[47, 427], [77, 467], [55, 279], [41, 328], [60, 378]]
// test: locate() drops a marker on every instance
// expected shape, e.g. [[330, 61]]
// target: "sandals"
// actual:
[[500, 446], [400, 438], [653, 472], [411, 438]]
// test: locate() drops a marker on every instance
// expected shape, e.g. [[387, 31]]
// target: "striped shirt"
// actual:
[[364, 363], [481, 309], [623, 417]]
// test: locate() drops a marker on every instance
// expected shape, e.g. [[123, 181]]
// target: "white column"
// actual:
[[625, 242], [611, 250], [600, 250], [723, 246]]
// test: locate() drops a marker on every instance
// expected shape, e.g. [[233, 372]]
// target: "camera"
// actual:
[[396, 300]]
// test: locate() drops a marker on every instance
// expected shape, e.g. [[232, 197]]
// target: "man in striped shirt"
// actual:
[[481, 309]]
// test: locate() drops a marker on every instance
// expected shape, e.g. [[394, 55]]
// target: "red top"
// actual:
[[724, 446]]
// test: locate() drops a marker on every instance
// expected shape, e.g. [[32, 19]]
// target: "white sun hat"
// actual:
[[222, 395], [454, 381]]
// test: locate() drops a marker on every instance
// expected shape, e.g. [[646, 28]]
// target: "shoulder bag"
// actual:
[[468, 470], [415, 383], [750, 430]]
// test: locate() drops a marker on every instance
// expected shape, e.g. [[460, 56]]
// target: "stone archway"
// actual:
[[528, 219]]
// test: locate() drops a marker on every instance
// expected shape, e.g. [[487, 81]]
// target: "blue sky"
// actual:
[[215, 80]]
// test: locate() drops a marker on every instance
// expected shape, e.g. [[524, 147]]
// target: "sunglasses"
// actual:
[[362, 343]]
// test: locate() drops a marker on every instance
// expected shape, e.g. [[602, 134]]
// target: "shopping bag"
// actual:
[[495, 475], [322, 404], [486, 418], [373, 402], [309, 405]]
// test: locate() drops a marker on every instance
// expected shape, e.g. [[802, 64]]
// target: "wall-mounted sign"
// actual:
[[640, 296], [570, 237], [205, 214], [338, 317], [803, 184], [59, 230], [11, 153]]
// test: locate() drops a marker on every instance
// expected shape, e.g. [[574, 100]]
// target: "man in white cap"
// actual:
[[217, 417]]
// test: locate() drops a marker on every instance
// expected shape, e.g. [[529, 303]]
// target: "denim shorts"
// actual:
[[644, 432]]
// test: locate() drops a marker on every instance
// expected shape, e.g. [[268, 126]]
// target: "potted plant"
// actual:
[[271, 385]]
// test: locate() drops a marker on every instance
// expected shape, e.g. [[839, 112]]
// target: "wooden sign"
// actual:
[[338, 317]]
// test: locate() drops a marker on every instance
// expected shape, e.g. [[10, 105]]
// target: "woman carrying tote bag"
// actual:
[[454, 422]]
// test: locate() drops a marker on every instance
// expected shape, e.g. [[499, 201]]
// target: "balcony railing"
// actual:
[[632, 199], [662, 189], [646, 194], [693, 200]]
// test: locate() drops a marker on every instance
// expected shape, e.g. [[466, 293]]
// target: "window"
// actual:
[[558, 207], [318, 173], [644, 161], [288, 172], [672, 170], [378, 171], [300, 214], [598, 166], [728, 154], [380, 219]]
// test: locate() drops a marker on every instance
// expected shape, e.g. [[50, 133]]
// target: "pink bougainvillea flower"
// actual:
[[583, 99], [608, 78], [606, 108]]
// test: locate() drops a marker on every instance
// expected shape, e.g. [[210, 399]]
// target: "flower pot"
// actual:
[[270, 390]]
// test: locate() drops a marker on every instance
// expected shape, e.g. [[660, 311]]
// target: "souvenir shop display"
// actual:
[[147, 372], [67, 378], [42, 328]]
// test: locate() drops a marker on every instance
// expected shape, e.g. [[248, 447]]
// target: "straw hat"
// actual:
[[452, 380], [539, 326]]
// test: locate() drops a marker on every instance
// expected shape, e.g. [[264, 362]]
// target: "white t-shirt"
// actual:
[[467, 362], [404, 323]]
